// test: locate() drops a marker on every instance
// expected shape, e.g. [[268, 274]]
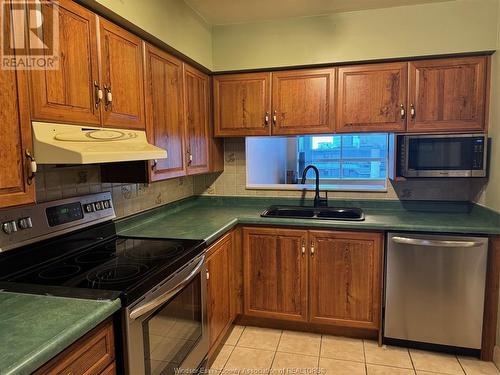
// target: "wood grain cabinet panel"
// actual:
[[275, 273], [219, 291], [122, 76], [242, 104], [15, 139], [303, 101], [448, 94], [93, 354], [372, 98], [345, 278], [164, 112], [196, 85], [68, 93]]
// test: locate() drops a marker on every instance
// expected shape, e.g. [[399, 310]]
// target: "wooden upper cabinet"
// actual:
[[122, 77], [68, 94], [196, 85], [448, 94], [275, 273], [346, 278], [303, 101], [15, 139], [164, 112], [242, 104], [372, 98], [219, 287]]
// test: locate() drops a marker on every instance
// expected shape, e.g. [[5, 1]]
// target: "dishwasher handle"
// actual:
[[435, 243]]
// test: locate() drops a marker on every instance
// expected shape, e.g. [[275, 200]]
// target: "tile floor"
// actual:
[[251, 350]]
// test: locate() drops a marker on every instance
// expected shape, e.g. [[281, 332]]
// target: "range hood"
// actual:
[[77, 144]]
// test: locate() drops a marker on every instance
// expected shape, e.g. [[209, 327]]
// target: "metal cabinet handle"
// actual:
[[402, 112], [98, 94], [275, 117], [266, 119], [190, 158], [32, 166], [154, 164], [303, 248], [312, 249], [208, 274], [434, 243], [412, 111], [109, 95]]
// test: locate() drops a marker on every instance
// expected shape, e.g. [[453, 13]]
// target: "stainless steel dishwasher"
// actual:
[[434, 291]]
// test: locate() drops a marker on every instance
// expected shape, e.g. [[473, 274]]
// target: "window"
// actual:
[[345, 162]]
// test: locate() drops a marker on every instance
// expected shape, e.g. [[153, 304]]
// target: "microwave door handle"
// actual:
[[434, 243], [151, 305]]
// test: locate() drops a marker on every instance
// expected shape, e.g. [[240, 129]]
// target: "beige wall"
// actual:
[[492, 196], [172, 21], [449, 27]]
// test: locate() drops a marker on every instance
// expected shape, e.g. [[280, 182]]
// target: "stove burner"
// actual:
[[60, 272], [116, 273], [94, 257]]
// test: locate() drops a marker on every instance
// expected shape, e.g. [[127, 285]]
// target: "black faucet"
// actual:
[[318, 201]]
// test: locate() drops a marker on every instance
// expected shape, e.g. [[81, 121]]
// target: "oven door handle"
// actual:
[[151, 305]]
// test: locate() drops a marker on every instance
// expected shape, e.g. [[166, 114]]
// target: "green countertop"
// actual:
[[34, 328], [207, 218]]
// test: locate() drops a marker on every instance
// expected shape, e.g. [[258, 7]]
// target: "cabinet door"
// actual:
[[196, 118], [345, 278], [164, 112], [242, 104], [448, 94], [219, 287], [303, 101], [372, 98], [15, 139], [68, 94], [122, 77], [275, 273]]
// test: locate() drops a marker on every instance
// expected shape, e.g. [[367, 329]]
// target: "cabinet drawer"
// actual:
[[90, 355]]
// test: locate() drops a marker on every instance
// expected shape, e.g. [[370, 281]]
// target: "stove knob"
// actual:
[[25, 223], [106, 204], [98, 206], [9, 227]]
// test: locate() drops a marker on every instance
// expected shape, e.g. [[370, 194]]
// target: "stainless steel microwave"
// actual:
[[450, 155]]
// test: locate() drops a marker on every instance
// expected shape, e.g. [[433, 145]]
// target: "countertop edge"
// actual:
[[59, 343]]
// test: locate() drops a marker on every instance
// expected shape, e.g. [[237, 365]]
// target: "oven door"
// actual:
[[167, 330], [444, 156]]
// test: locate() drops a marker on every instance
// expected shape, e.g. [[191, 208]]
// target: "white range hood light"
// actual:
[[77, 144]]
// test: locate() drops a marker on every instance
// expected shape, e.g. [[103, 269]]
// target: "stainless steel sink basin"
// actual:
[[321, 213]]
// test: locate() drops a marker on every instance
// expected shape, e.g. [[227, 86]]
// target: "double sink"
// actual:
[[317, 213]]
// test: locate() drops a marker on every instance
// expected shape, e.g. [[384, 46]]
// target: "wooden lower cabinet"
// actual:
[[93, 354], [275, 273], [345, 278], [219, 287], [320, 277]]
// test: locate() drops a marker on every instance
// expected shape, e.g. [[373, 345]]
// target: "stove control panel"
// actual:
[[23, 225]]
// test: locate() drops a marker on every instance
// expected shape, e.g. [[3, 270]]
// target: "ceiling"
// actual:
[[221, 12]]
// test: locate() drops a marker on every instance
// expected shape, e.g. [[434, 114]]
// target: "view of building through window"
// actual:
[[349, 156], [348, 161]]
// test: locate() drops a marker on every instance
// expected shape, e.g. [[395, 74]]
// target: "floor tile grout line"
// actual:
[[234, 347], [275, 352], [364, 356], [460, 363], [320, 347]]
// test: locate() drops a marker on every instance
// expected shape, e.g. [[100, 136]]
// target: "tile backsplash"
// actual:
[[60, 182], [55, 182], [232, 182]]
